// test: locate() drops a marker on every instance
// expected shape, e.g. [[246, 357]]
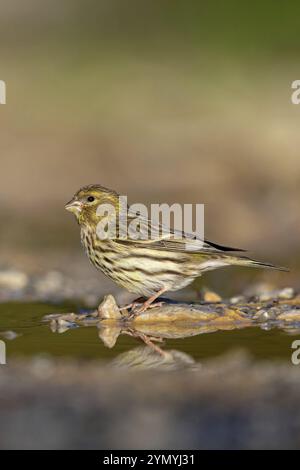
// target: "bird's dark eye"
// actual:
[[91, 199]]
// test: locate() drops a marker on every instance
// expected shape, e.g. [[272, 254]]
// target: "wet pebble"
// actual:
[[261, 315], [264, 315], [267, 296], [246, 310], [292, 315], [60, 325], [237, 299], [286, 293], [212, 297], [108, 309]]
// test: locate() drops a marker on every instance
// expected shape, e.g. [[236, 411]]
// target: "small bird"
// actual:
[[147, 267]]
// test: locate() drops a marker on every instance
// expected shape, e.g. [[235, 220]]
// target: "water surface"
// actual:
[[35, 337]]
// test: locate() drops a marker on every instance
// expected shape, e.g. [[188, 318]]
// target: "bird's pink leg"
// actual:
[[148, 302], [133, 304]]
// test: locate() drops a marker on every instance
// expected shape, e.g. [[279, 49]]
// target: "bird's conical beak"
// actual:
[[74, 206]]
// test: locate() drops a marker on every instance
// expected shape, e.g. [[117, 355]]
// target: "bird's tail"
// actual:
[[244, 261]]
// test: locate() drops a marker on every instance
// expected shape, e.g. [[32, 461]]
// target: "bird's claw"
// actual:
[[138, 309]]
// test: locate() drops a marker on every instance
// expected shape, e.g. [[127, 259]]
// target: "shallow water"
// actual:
[[35, 337]]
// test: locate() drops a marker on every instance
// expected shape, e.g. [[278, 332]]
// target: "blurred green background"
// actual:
[[164, 101]]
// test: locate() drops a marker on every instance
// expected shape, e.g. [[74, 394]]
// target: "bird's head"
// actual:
[[85, 203]]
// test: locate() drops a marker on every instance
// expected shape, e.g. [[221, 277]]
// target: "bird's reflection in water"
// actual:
[[168, 321], [145, 357], [151, 355]]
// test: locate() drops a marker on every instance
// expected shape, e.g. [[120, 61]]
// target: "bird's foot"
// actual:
[[149, 303], [138, 309], [133, 304]]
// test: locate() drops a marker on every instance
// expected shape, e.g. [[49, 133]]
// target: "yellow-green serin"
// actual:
[[147, 267]]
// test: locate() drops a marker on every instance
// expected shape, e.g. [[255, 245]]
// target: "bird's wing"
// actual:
[[160, 237]]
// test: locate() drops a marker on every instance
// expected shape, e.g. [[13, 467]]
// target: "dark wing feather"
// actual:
[[223, 248], [160, 237]]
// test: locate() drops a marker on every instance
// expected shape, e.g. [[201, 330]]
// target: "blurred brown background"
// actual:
[[162, 101]]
